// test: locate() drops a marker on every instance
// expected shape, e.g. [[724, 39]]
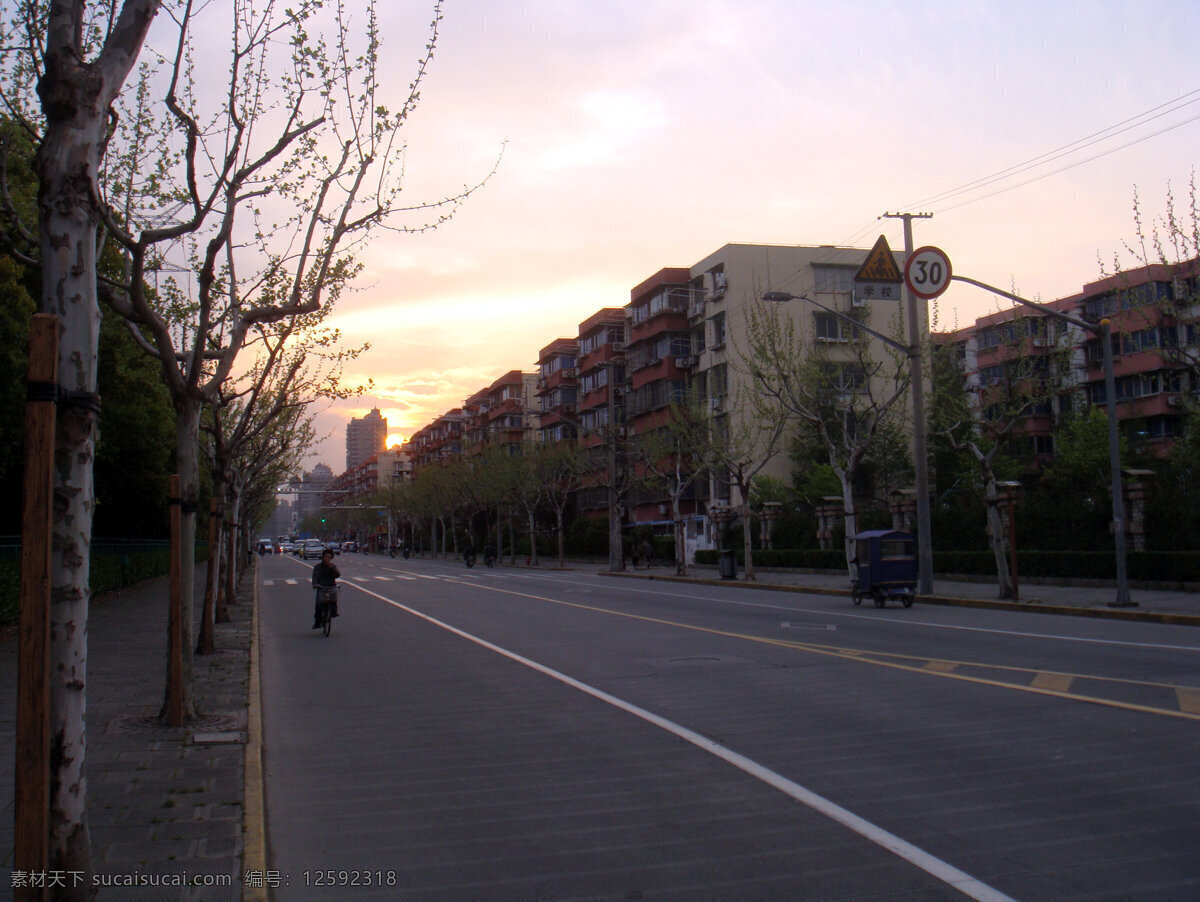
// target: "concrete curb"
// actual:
[[254, 824], [948, 600]]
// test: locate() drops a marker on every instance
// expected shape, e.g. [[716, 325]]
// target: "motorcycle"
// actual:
[[469, 557]]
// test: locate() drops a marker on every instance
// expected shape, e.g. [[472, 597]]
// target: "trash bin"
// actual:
[[728, 565]]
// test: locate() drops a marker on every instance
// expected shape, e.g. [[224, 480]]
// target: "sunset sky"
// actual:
[[649, 133]]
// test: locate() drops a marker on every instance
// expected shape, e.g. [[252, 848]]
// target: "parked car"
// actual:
[[312, 548]]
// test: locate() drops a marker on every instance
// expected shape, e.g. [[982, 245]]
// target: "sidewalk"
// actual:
[[165, 805], [1154, 605]]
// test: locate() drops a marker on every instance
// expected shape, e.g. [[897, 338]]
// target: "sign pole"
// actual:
[[916, 330]]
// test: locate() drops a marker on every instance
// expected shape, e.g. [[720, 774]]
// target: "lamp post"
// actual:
[[1103, 329], [913, 352]]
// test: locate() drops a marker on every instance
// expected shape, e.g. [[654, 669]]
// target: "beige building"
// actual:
[[727, 290]]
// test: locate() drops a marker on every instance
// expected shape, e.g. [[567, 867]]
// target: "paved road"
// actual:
[[499, 734]]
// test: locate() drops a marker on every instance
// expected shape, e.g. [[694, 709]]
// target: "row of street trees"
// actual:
[[212, 223]]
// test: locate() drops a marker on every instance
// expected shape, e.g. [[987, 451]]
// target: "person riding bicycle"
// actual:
[[324, 575], [489, 554]]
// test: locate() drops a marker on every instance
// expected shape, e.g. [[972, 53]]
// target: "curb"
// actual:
[[254, 821], [946, 600]]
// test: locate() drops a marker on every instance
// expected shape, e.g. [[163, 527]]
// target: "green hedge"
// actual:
[[114, 565], [1150, 566]]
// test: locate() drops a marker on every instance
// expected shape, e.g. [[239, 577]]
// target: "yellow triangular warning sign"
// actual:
[[880, 265]]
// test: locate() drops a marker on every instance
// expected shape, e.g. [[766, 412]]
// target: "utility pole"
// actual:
[[917, 333]]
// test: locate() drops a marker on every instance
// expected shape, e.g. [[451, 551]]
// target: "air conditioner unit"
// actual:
[[859, 302], [1043, 341], [618, 346], [567, 373], [1174, 401], [685, 362]]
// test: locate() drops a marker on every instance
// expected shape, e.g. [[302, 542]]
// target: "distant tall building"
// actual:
[[365, 436], [308, 498]]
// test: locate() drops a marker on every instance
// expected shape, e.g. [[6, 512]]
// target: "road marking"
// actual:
[[1058, 682], [898, 621], [954, 670], [1189, 700], [935, 867], [827, 627], [1182, 705], [941, 666]]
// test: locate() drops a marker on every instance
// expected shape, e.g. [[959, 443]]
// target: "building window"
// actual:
[[718, 330], [1142, 340], [716, 277], [829, 328], [833, 279]]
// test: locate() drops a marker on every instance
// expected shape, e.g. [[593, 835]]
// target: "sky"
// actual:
[[644, 134]]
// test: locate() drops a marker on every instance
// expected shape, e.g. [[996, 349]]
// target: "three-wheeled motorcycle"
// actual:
[[887, 566]]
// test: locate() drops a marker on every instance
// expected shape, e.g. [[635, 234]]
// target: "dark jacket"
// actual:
[[325, 574]]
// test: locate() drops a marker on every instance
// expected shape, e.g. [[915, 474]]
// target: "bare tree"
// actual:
[[741, 448], [232, 209], [1034, 368], [837, 391], [675, 455]]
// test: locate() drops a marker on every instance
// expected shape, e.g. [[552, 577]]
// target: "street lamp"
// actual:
[[920, 462]]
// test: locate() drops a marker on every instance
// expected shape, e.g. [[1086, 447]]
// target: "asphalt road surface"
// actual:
[[511, 734]]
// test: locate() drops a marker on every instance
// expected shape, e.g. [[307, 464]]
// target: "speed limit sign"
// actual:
[[927, 272]]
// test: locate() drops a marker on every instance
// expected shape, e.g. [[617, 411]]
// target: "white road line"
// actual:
[[935, 867]]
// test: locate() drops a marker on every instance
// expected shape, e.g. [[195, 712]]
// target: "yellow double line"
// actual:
[[1172, 701]]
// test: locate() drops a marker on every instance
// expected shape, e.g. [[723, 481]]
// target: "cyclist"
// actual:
[[325, 574]]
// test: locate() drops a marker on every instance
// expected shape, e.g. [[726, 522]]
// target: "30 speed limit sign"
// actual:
[[927, 272]]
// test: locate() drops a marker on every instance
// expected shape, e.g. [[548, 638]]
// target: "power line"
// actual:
[[1077, 145], [1141, 119]]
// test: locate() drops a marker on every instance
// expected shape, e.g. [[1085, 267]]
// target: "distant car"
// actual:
[[264, 546], [350, 546], [312, 549], [287, 547], [333, 546]]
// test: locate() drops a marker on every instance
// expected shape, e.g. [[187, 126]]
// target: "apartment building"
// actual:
[[658, 358], [726, 290], [601, 389], [438, 441], [558, 391], [365, 436], [1155, 321]]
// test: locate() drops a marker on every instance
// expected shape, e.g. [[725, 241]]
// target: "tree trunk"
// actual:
[[204, 645], [562, 556], [681, 567], [67, 160], [231, 575], [747, 534], [533, 558], [187, 441], [999, 545], [850, 519]]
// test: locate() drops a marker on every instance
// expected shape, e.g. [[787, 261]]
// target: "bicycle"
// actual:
[[327, 604]]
